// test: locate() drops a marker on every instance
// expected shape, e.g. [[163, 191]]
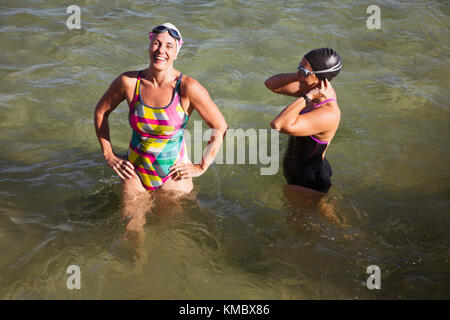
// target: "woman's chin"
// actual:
[[159, 66]]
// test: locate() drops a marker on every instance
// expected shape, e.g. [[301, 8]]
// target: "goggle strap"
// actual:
[[174, 33], [335, 68], [179, 41]]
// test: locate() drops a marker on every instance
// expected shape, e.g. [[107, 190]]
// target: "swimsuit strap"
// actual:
[[324, 102], [138, 83], [302, 111], [136, 92], [318, 141], [177, 86]]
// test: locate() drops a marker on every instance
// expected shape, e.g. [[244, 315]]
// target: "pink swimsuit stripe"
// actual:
[[143, 153], [153, 121], [318, 141], [323, 102]]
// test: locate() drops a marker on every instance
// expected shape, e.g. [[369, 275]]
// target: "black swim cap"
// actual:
[[323, 59]]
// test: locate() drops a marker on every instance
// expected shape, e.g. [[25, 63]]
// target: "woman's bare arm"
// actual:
[[285, 83], [201, 101], [210, 113], [316, 121], [115, 94]]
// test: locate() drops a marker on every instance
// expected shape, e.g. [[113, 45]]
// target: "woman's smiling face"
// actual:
[[162, 51]]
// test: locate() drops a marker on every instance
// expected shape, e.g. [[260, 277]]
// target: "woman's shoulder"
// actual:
[[329, 109], [129, 76], [325, 107], [189, 84], [187, 80], [125, 80]]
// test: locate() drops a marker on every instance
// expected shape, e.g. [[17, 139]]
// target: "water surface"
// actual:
[[237, 237]]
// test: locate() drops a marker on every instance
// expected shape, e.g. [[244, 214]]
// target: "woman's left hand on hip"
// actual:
[[185, 170]]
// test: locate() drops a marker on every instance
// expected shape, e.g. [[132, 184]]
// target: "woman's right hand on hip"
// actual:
[[122, 167]]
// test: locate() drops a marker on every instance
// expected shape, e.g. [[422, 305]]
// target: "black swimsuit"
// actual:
[[303, 164]]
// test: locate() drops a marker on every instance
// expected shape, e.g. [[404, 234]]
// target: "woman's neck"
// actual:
[[159, 77]]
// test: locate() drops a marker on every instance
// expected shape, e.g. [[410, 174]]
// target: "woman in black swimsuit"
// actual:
[[311, 120]]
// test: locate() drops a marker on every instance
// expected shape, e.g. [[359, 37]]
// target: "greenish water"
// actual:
[[238, 238]]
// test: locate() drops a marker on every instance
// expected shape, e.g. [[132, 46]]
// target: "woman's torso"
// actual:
[[313, 147], [304, 162], [157, 137]]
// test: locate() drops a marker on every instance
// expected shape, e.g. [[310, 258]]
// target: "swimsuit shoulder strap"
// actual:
[[138, 82], [177, 86], [303, 111], [136, 91], [323, 102]]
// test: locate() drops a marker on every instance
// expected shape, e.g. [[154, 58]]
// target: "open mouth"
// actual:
[[160, 58]]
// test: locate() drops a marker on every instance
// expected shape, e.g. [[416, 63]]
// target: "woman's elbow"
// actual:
[[275, 125], [269, 84], [99, 114], [282, 128], [223, 125], [222, 128]]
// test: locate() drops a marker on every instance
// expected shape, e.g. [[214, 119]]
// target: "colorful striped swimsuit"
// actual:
[[158, 138]]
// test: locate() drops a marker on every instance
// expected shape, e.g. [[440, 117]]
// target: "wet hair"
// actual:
[[323, 59]]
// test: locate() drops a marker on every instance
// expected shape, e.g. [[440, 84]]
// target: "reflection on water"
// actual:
[[238, 236]]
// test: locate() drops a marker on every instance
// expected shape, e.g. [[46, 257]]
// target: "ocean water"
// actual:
[[237, 236]]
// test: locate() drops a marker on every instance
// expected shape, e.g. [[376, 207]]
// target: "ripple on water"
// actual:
[[238, 239]]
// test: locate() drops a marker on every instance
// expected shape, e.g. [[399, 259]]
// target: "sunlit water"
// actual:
[[236, 237]]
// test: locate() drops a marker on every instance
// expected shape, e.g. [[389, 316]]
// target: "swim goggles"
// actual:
[[305, 72], [174, 33]]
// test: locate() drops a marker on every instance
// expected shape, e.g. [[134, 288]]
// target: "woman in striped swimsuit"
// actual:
[[160, 101]]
